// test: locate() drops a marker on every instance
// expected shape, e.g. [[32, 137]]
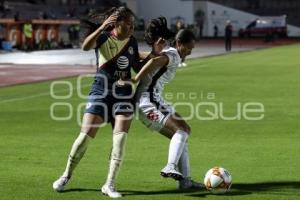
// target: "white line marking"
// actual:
[[38, 95]]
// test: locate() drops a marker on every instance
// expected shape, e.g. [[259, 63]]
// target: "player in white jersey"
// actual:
[[153, 109], [154, 112]]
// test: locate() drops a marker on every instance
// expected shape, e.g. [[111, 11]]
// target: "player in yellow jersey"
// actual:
[[110, 99]]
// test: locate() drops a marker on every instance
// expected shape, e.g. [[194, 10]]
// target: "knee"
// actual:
[[122, 125], [120, 130], [89, 131]]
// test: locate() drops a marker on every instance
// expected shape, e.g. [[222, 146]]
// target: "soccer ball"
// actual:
[[218, 180]]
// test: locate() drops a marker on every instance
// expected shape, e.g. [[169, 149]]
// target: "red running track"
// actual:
[[20, 74]]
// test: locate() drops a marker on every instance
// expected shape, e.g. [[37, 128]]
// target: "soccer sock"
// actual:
[[184, 162], [78, 149], [116, 156], [176, 147]]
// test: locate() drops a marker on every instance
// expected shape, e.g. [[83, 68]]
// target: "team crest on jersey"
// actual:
[[130, 50], [122, 62]]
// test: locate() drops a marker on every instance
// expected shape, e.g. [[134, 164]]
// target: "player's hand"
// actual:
[[133, 80], [159, 45], [122, 83], [110, 21]]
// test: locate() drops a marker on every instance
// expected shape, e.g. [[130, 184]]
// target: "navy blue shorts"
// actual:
[[108, 103]]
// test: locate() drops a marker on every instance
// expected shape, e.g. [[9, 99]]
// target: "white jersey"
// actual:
[[155, 81], [153, 110]]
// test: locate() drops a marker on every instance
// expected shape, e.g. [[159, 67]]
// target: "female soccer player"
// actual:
[[154, 112], [116, 52]]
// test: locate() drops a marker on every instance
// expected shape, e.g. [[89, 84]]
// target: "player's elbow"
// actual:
[[85, 47], [186, 128]]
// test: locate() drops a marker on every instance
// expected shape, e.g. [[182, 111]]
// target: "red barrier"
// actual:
[[42, 30]]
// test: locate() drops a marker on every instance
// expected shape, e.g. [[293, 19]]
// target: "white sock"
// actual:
[[116, 156], [184, 162], [177, 144], [78, 149]]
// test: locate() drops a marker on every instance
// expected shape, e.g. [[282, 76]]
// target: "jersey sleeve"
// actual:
[[101, 39], [173, 57]]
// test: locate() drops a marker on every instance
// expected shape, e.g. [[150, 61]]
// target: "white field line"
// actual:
[[38, 95], [84, 86], [48, 93]]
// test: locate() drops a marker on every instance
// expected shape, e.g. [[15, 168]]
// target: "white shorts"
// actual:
[[154, 112]]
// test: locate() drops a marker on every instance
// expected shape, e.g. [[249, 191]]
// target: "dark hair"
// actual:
[[96, 17], [185, 36], [157, 28]]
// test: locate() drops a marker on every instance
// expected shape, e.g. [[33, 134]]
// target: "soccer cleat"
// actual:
[[60, 183], [187, 183], [170, 171], [109, 190]]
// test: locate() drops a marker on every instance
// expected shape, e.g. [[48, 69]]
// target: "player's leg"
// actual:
[[183, 165], [184, 168], [157, 116], [90, 125], [180, 135], [120, 131], [184, 162]]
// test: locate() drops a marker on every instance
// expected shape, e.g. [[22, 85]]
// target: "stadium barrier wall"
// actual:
[[42, 30]]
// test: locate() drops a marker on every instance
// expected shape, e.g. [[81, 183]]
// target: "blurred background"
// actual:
[[248, 52], [44, 24], [47, 33]]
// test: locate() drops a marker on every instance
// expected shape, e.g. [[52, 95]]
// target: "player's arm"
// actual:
[[144, 57], [90, 42], [152, 65]]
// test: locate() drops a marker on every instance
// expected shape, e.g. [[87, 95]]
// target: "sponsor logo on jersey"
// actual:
[[122, 62], [121, 74]]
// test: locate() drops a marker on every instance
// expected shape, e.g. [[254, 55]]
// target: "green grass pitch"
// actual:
[[262, 156]]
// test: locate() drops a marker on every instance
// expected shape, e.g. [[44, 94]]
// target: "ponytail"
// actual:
[[157, 28]]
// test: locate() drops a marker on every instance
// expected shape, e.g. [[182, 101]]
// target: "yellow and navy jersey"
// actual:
[[115, 58]]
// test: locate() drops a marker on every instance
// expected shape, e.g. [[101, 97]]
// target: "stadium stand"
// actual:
[[267, 8], [46, 9], [15, 13]]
